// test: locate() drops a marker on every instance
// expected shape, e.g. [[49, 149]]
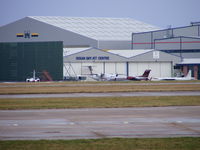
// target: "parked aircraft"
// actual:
[[105, 76], [142, 77], [117, 77], [187, 77], [33, 79]]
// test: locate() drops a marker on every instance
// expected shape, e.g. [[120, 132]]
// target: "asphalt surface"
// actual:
[[111, 94], [100, 123]]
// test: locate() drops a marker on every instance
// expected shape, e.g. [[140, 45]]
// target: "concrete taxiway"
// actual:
[[109, 94], [100, 123]]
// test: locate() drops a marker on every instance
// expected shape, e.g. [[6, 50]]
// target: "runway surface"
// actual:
[[110, 94], [100, 123]]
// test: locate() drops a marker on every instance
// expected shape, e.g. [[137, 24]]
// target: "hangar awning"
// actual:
[[91, 55], [71, 51], [190, 61], [130, 53]]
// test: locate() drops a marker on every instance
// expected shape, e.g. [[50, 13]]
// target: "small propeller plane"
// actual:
[[105, 76], [145, 76]]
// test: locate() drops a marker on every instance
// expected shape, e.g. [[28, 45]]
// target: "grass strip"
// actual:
[[184, 143], [92, 82], [98, 88], [98, 102]]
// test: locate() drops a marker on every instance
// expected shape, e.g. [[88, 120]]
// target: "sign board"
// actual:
[[156, 54], [92, 58], [27, 34]]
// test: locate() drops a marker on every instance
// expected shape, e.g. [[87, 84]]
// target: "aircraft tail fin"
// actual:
[[90, 69], [146, 73], [189, 75]]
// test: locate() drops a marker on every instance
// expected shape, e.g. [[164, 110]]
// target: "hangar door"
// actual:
[[158, 69], [115, 68], [73, 69]]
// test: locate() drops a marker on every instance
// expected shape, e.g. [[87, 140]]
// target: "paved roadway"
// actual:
[[111, 94], [100, 123]]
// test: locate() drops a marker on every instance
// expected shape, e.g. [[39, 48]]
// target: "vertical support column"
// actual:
[[172, 32], [104, 67], [116, 68], [152, 41], [195, 72], [185, 70], [127, 68], [132, 41], [181, 49]]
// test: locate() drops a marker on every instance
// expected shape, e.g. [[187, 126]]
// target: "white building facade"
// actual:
[[126, 62]]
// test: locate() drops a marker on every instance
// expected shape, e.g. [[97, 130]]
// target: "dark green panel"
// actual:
[[18, 60], [198, 72]]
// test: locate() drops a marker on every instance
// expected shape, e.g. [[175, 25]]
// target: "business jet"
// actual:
[[187, 77]]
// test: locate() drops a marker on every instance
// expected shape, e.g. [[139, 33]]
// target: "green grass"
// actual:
[[98, 102], [40, 88], [106, 144]]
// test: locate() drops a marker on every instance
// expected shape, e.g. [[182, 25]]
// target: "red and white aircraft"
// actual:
[[145, 76]]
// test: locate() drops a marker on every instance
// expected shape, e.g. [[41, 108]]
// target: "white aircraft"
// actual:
[[106, 77], [33, 79], [187, 77]]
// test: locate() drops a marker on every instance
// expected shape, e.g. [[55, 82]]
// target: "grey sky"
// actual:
[[161, 13]]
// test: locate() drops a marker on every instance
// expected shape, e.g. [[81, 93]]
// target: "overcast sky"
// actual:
[[160, 13]]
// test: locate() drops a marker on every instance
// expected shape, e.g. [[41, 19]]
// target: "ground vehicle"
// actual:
[[33, 79]]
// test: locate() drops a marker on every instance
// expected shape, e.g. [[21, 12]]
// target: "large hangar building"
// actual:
[[103, 33], [181, 41], [127, 62], [110, 45], [74, 32], [18, 60]]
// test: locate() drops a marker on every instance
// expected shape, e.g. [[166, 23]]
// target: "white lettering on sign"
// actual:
[[92, 58]]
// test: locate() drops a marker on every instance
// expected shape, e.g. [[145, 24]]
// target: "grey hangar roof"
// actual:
[[145, 55], [110, 29]]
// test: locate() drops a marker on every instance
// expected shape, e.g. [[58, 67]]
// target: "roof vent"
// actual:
[[169, 32]]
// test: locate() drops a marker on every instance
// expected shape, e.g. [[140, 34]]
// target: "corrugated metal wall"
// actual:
[[158, 69], [145, 40], [18, 60]]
